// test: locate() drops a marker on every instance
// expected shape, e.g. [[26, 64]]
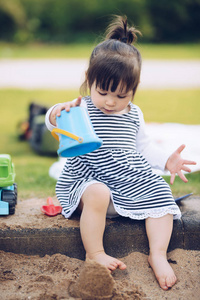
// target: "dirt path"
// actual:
[[68, 74]]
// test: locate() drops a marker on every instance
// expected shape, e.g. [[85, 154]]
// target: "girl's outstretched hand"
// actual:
[[176, 164], [56, 112]]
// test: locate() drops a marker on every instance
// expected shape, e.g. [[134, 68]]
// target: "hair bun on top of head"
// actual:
[[119, 30]]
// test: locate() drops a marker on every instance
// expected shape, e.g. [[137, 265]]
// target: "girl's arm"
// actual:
[[158, 158]]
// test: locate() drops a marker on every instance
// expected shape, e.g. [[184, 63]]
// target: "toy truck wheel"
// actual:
[[15, 191], [10, 197], [11, 210]]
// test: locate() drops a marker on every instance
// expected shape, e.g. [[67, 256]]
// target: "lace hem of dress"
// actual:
[[156, 213]]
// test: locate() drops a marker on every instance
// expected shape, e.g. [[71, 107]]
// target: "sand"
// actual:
[[61, 277]]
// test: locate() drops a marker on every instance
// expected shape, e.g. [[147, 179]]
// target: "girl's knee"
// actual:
[[97, 194]]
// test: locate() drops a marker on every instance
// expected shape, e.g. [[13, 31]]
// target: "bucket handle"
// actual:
[[67, 133]]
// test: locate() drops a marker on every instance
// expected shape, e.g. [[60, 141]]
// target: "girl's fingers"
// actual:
[[172, 178], [58, 112], [186, 169], [180, 165], [180, 149], [67, 106], [78, 101], [53, 115], [73, 103], [59, 108], [182, 176], [189, 162]]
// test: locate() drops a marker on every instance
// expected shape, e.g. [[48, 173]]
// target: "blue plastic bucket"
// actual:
[[75, 133]]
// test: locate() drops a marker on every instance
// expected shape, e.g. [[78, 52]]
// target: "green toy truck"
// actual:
[[8, 189]]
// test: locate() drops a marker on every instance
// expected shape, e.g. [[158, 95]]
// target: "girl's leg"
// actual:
[[159, 232], [94, 204]]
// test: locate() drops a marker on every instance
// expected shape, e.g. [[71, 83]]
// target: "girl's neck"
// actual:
[[124, 111]]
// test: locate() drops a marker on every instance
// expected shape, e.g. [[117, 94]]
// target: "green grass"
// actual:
[[172, 106], [180, 188], [48, 51], [167, 51], [45, 51], [32, 170]]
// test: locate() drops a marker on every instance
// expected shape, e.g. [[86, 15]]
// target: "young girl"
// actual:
[[117, 179]]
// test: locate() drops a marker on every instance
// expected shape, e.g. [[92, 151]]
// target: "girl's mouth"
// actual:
[[108, 111]]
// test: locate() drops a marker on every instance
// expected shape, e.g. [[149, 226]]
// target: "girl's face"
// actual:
[[111, 102]]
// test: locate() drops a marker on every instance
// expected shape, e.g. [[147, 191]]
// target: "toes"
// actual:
[[163, 284], [122, 266], [170, 281], [167, 283], [117, 264], [113, 266]]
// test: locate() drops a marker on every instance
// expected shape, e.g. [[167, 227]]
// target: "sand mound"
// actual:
[[94, 282]]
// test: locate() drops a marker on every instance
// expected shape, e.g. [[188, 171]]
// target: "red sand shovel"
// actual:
[[50, 209]]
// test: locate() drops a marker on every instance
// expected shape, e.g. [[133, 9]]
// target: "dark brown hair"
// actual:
[[115, 61]]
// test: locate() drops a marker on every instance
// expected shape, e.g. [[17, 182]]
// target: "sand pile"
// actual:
[[94, 282]]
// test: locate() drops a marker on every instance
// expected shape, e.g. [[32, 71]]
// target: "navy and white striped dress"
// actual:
[[136, 191]]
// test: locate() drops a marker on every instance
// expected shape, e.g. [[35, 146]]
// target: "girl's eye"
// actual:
[[121, 97], [102, 94]]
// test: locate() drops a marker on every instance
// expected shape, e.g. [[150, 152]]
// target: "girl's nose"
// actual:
[[110, 101]]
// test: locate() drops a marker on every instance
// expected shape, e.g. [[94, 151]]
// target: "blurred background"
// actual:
[[48, 43], [67, 21]]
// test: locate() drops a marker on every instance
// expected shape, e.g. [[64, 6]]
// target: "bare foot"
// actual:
[[109, 262], [162, 270]]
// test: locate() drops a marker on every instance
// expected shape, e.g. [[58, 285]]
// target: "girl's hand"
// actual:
[[56, 112], [175, 164]]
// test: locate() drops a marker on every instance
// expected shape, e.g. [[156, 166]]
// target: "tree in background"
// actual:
[[175, 21], [12, 20], [85, 20]]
